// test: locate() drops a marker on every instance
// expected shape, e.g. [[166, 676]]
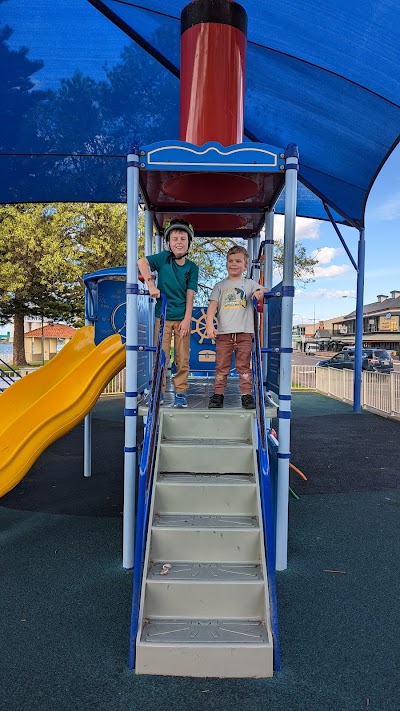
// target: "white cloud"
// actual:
[[390, 208], [306, 228], [334, 270], [323, 294], [324, 255]]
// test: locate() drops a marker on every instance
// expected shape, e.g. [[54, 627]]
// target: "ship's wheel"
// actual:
[[118, 320], [199, 324]]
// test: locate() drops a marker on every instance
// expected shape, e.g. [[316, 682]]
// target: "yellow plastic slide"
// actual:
[[42, 406]]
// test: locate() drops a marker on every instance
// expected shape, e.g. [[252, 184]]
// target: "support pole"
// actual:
[[268, 276], [256, 249], [250, 252], [148, 249], [291, 168], [87, 423], [158, 243], [130, 459], [148, 232], [359, 323]]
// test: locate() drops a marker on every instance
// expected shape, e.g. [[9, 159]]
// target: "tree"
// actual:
[[18, 98], [39, 267], [303, 264], [46, 250]]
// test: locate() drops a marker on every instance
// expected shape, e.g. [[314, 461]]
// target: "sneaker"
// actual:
[[248, 402], [216, 402], [180, 400]]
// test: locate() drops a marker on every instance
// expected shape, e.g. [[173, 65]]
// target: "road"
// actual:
[[303, 359]]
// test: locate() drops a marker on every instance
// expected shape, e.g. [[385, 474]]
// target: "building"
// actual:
[[320, 333], [30, 323], [381, 321], [51, 340]]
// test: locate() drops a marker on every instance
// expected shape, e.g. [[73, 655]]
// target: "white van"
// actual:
[[311, 348]]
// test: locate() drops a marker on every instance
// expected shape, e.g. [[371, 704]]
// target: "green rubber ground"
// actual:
[[65, 600]]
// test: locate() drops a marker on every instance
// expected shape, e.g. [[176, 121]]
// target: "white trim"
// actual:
[[202, 165]]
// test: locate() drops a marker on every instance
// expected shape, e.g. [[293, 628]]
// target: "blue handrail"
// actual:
[[264, 474], [145, 485], [6, 377], [10, 367]]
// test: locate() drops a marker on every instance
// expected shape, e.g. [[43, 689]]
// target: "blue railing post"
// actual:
[[264, 476], [146, 472]]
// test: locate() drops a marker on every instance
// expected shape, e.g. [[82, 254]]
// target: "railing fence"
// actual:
[[380, 392]]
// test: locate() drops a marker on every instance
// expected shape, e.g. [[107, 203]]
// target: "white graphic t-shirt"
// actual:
[[235, 308]]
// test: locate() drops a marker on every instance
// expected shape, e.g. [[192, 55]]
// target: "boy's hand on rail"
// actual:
[[153, 291], [258, 294], [184, 327]]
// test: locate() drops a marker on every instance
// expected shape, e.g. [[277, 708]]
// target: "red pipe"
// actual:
[[213, 63]]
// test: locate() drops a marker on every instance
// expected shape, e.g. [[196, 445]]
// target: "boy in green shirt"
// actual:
[[177, 280]]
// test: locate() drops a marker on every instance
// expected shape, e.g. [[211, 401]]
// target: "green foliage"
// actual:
[[46, 249], [303, 264], [38, 262]]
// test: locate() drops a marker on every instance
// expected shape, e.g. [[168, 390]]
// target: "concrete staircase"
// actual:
[[207, 615]]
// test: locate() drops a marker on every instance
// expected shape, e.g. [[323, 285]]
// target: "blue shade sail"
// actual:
[[80, 82]]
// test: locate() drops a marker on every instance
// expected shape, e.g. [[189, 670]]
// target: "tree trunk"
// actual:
[[19, 341]]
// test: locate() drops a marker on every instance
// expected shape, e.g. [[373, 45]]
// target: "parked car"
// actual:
[[373, 359]]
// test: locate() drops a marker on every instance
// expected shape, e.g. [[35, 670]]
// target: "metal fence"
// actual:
[[380, 392], [303, 377], [335, 383], [116, 386]]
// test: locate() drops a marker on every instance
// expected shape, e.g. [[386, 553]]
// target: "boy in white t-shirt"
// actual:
[[232, 298]]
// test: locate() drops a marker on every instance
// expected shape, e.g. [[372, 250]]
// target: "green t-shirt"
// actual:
[[173, 281]]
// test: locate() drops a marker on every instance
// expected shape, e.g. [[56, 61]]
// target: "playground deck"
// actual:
[[65, 599]]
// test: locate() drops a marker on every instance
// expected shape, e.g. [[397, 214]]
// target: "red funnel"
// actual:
[[213, 62]]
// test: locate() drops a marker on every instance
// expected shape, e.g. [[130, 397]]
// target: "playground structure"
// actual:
[[225, 622], [160, 588], [226, 188]]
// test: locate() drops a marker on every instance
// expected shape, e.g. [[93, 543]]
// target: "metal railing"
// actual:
[[303, 377], [380, 392], [264, 474], [116, 386], [145, 483]]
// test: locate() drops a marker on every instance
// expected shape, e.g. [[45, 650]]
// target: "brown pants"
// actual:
[[240, 345], [182, 350]]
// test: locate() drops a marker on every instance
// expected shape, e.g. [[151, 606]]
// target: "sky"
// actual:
[[335, 276]]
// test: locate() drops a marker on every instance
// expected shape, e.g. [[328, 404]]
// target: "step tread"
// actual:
[[209, 479], [206, 572], [206, 442], [207, 632], [204, 521]]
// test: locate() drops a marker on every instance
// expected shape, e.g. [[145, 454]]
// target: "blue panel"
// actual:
[[111, 318], [180, 155], [111, 315], [274, 339], [202, 349]]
